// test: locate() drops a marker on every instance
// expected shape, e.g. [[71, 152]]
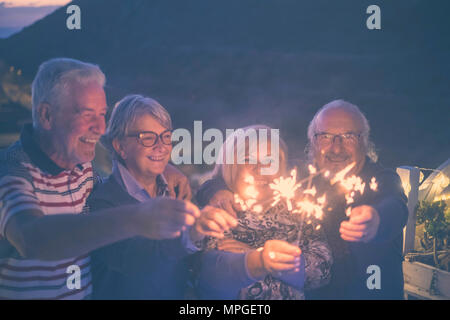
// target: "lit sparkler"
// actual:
[[352, 185], [284, 188], [373, 184], [341, 174]]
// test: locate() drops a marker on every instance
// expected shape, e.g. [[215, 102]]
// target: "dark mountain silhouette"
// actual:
[[236, 62]]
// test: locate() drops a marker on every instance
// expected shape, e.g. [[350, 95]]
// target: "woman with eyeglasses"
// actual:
[[138, 138]]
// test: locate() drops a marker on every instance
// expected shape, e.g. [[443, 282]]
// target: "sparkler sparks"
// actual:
[[373, 184], [287, 189], [251, 192], [341, 174], [321, 200], [348, 211], [310, 208], [258, 208], [284, 188], [352, 185], [311, 191]]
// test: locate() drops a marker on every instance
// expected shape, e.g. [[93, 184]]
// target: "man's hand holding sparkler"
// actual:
[[362, 226], [212, 222], [275, 257]]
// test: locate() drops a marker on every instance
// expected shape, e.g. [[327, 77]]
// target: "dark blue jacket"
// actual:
[[135, 268]]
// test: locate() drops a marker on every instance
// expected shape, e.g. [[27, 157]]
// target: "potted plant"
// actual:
[[427, 271]]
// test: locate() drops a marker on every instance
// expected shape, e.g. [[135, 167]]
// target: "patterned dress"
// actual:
[[278, 224]]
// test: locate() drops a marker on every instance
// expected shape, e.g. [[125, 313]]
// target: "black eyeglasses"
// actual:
[[325, 139], [150, 138]]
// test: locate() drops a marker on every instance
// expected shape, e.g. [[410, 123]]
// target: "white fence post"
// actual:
[[410, 177]]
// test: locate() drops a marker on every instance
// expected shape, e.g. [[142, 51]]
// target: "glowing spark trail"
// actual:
[[284, 188], [373, 184], [341, 174]]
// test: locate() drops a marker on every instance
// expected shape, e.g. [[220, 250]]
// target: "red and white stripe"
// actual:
[[65, 193]]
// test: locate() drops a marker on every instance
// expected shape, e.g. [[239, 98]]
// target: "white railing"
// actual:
[[410, 177]]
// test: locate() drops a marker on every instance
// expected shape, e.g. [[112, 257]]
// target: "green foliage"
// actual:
[[435, 218]]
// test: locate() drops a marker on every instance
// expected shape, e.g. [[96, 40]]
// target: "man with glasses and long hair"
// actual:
[[338, 137]]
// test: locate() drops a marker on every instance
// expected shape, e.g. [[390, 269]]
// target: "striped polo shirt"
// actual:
[[31, 180]]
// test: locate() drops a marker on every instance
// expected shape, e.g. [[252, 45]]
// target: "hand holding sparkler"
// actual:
[[212, 222], [362, 226], [165, 218], [364, 220], [275, 257]]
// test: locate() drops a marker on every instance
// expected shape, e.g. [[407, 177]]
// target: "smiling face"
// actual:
[[77, 124], [338, 153], [144, 163], [261, 181]]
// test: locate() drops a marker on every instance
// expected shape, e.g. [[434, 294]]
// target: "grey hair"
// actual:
[[126, 112], [54, 78], [368, 145]]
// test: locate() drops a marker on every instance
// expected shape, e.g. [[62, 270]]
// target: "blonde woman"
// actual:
[[270, 255]]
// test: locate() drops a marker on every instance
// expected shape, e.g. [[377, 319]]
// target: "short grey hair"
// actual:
[[368, 145], [54, 78], [124, 115]]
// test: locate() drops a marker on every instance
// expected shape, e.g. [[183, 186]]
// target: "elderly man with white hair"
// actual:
[[45, 179], [367, 245], [372, 235]]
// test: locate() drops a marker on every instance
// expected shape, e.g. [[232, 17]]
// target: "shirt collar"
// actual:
[[35, 153], [133, 187]]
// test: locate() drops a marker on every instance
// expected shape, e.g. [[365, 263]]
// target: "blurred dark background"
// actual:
[[239, 62]]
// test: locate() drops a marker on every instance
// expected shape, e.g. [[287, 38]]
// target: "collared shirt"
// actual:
[[135, 189], [30, 180]]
